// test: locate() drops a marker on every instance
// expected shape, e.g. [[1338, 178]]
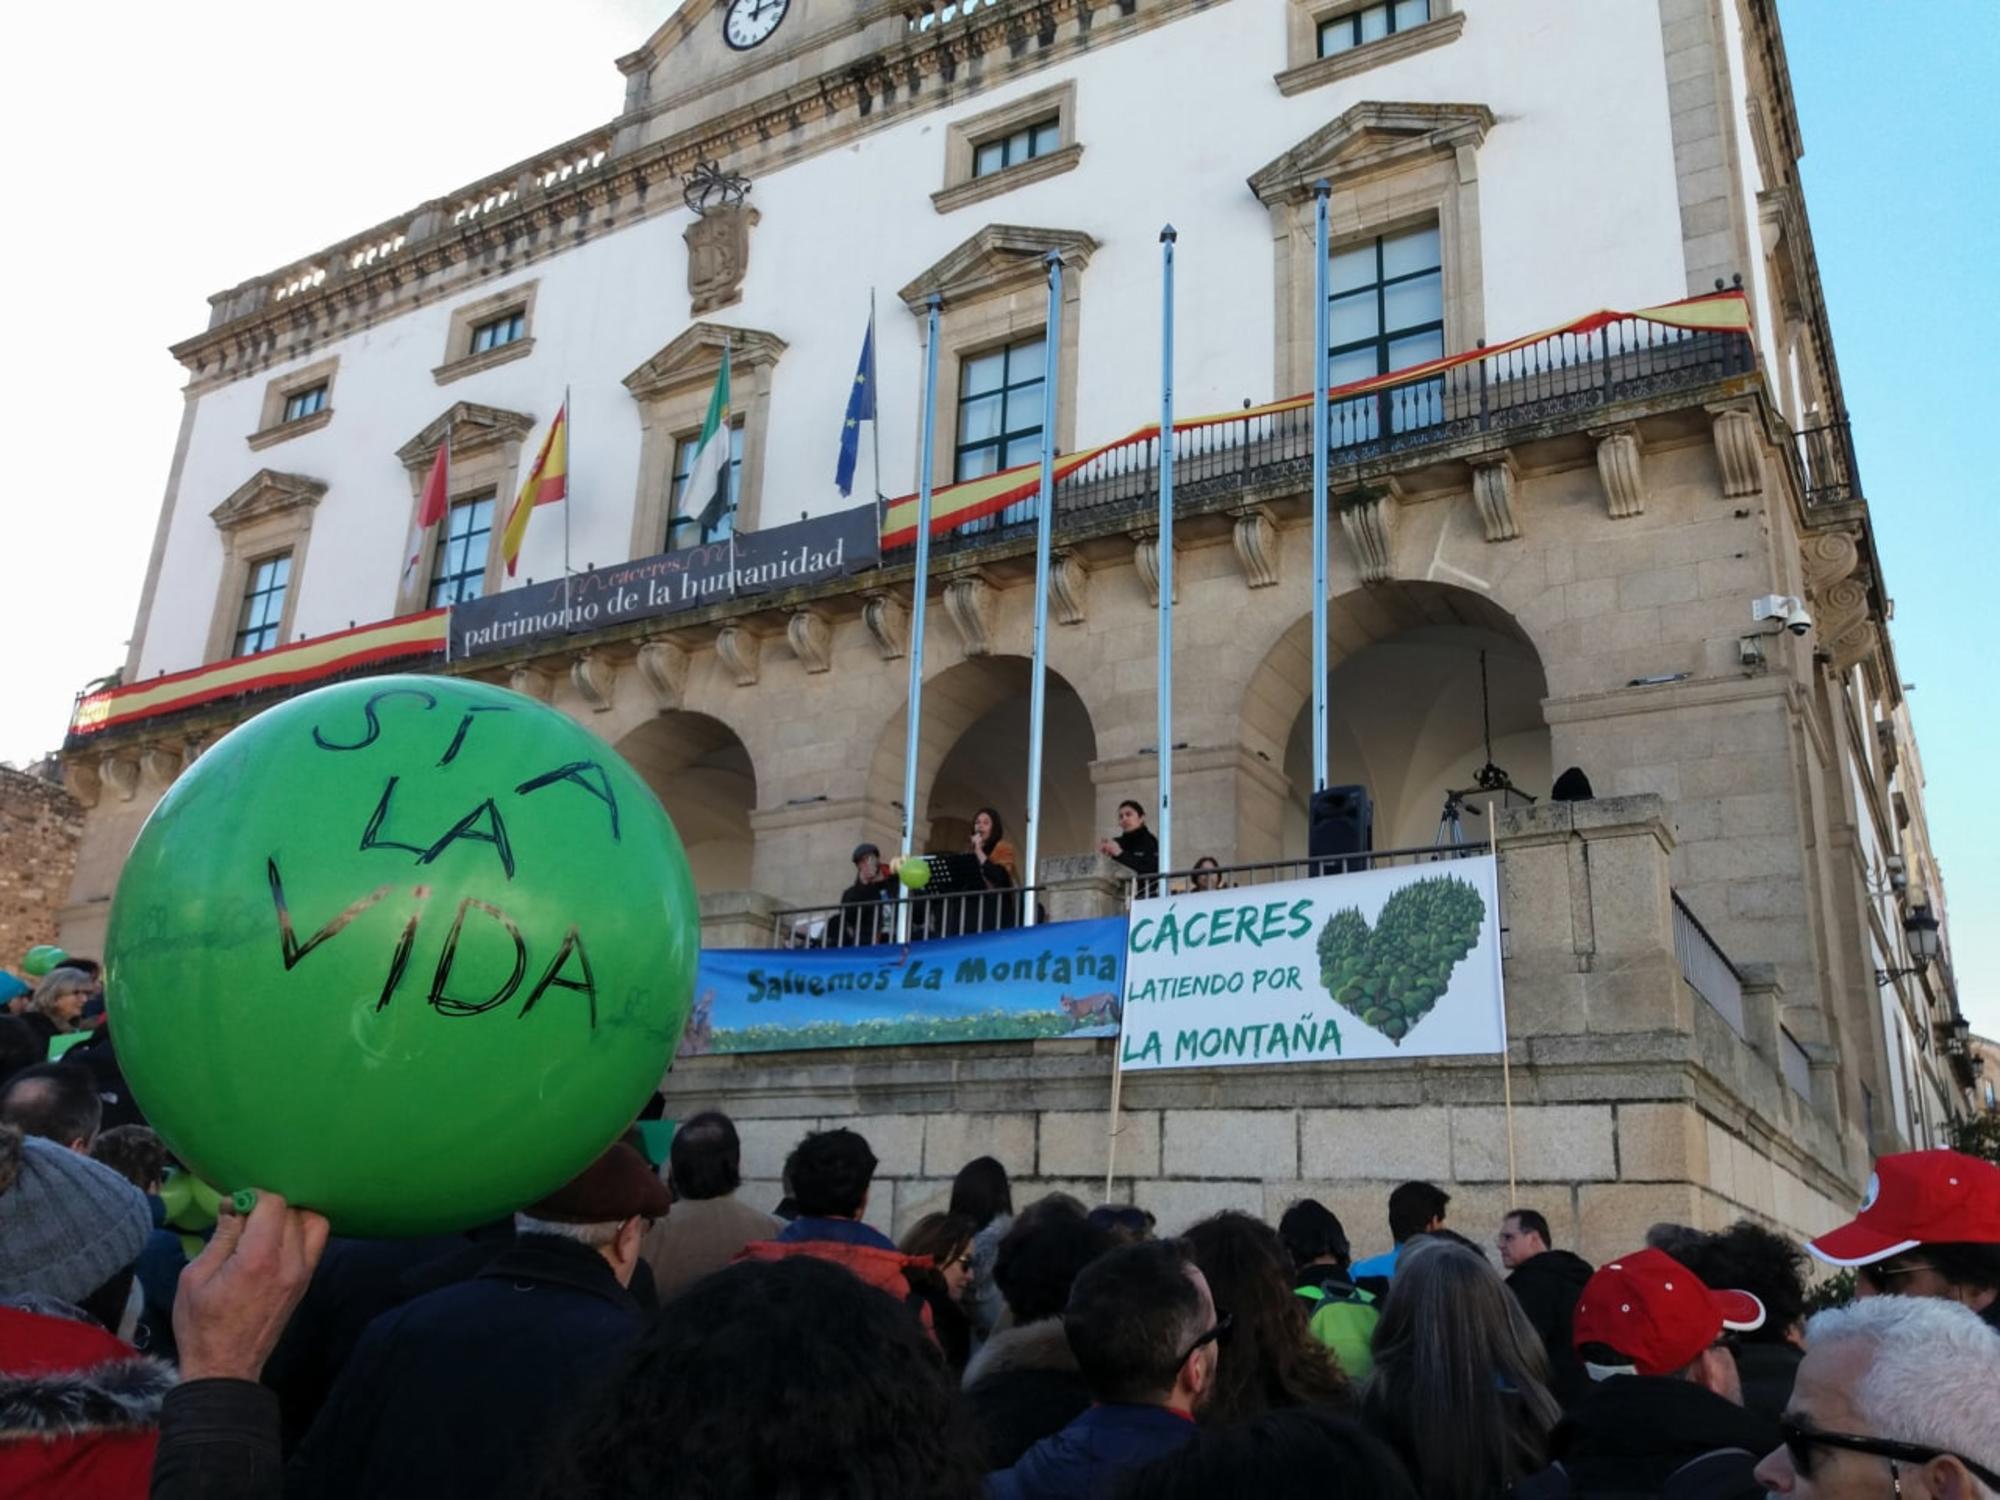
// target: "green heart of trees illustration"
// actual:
[[1394, 974]]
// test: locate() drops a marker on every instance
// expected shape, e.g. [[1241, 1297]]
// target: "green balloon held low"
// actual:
[[41, 959], [410, 951]]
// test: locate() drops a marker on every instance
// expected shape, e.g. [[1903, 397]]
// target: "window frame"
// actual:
[[441, 552], [513, 320], [1308, 67], [1006, 436], [468, 319], [251, 593], [274, 424], [1355, 14], [684, 450], [964, 183], [268, 514]]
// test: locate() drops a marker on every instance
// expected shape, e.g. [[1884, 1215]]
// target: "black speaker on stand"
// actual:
[[1342, 823]]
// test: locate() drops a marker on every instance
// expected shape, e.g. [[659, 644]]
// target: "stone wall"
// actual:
[[40, 825]]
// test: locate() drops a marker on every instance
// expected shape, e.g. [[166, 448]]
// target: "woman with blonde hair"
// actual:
[[1460, 1385], [56, 1007]]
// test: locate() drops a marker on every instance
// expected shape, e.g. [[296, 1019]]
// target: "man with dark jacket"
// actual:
[[1145, 1333], [455, 1392], [1546, 1282], [1665, 1416], [867, 906], [1024, 1385]]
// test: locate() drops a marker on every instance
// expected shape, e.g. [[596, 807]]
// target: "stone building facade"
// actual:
[[40, 825], [1712, 1004]]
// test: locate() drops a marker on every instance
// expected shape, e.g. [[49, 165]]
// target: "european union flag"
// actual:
[[860, 408]]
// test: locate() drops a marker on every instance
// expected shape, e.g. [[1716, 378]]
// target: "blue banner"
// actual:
[[1058, 979]]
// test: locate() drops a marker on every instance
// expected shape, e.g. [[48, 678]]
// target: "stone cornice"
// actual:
[[266, 493], [1371, 137], [538, 208], [998, 258], [472, 427], [694, 356]]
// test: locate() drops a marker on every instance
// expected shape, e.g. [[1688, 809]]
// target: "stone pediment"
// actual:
[[473, 427], [693, 357], [268, 492], [1001, 257], [1368, 139]]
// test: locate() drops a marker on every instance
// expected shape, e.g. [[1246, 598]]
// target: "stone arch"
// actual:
[[975, 734], [702, 772], [1403, 663]]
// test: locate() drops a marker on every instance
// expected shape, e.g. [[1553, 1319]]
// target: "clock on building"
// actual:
[[748, 22]]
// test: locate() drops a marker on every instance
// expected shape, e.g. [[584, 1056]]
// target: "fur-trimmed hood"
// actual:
[[63, 1379], [1040, 1345]]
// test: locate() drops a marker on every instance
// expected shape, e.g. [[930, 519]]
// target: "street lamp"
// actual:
[[1920, 932]]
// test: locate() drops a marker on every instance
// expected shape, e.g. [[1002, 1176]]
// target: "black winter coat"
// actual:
[[1022, 1386], [1644, 1436], [458, 1392], [1547, 1286]]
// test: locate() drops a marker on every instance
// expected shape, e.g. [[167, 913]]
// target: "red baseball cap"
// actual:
[[1649, 1306], [1918, 1198]]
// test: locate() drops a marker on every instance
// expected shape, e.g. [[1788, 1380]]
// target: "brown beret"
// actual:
[[617, 1186]]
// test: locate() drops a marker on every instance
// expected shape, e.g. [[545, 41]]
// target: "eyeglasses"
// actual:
[[1214, 1335], [962, 1263], [1800, 1441], [1882, 1276]]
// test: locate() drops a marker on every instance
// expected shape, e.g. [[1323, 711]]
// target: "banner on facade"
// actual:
[[1057, 979], [759, 562], [1401, 962]]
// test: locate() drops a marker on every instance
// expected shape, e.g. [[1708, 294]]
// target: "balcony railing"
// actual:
[[935, 914], [1707, 968], [1564, 375], [1823, 459]]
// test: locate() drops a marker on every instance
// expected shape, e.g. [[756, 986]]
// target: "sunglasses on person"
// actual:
[[1215, 1335], [1800, 1442], [1884, 1278]]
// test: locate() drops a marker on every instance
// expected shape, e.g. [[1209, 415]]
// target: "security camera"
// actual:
[[1784, 611]]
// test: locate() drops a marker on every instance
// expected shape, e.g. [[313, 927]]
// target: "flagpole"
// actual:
[[875, 395], [1168, 237], [1320, 437], [727, 437], [1044, 532], [920, 589], [567, 418]]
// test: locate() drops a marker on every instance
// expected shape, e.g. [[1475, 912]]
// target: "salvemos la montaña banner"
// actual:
[[1058, 979], [765, 562]]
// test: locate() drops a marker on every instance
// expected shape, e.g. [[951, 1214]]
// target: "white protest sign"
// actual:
[[1400, 962]]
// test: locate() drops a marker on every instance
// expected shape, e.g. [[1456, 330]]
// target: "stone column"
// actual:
[[1077, 886], [737, 919]]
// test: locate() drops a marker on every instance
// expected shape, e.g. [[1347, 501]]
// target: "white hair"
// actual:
[[1934, 1378], [597, 1236]]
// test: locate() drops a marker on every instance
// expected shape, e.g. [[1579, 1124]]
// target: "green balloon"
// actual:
[[41, 959], [410, 951], [914, 872]]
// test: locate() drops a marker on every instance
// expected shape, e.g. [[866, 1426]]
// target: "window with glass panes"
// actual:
[[263, 605], [1371, 23], [304, 403], [505, 329], [688, 530], [1000, 419], [458, 568], [1385, 312], [1025, 144]]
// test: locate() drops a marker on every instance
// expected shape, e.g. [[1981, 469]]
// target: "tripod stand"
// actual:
[[1451, 830]]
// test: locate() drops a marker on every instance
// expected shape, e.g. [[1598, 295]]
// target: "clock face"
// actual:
[[748, 22]]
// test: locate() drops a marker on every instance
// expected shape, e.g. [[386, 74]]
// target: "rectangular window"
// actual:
[[1385, 312], [1025, 144], [458, 571], [496, 332], [305, 403], [707, 523], [1000, 419], [263, 605], [1371, 23]]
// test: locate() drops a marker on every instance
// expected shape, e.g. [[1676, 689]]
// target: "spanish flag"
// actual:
[[546, 483]]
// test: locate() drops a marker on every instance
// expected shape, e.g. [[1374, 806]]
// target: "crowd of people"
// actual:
[[987, 896], [646, 1331]]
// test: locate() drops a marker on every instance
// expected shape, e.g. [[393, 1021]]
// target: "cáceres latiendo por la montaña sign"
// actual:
[[848, 541]]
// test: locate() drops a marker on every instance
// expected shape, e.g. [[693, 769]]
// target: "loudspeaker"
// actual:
[[1343, 822]]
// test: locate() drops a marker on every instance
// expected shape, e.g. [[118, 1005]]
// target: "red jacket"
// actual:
[[79, 1410], [884, 1270]]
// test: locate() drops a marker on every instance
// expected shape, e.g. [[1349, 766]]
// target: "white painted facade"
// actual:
[[1577, 201]]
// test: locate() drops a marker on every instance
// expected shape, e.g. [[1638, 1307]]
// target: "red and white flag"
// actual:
[[431, 509]]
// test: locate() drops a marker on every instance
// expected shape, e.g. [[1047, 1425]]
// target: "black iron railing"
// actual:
[[1563, 375], [1823, 457]]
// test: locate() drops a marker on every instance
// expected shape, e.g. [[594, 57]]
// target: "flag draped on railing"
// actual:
[[954, 505]]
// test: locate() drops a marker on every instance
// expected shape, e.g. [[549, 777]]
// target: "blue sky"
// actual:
[[1897, 109]]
